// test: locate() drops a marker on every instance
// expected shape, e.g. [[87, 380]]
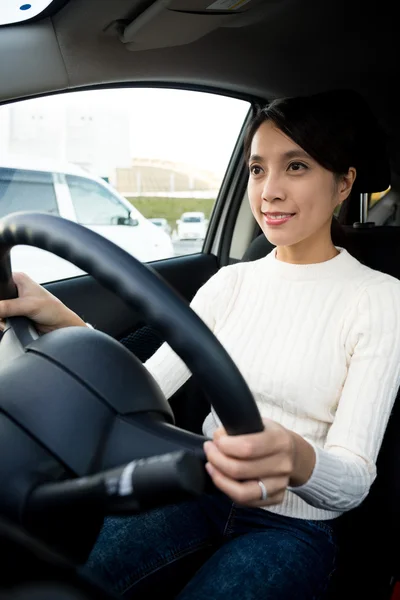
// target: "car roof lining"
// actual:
[[272, 57], [288, 47]]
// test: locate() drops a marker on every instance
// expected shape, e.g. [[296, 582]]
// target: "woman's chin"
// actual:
[[278, 238]]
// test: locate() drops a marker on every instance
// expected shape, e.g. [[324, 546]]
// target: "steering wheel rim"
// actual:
[[139, 286]]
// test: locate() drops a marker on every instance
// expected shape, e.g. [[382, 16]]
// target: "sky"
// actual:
[[177, 125]]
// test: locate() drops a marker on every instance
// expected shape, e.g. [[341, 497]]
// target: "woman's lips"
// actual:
[[278, 219]]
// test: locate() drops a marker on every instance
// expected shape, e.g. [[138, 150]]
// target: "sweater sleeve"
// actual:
[[211, 303], [345, 467]]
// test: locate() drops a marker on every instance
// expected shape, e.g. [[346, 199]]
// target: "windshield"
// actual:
[[192, 219]]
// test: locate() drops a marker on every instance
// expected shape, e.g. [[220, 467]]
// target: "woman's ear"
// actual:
[[346, 183]]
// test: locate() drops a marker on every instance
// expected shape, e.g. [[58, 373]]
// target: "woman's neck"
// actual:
[[307, 252]]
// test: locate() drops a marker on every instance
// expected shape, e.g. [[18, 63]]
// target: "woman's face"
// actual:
[[292, 197]]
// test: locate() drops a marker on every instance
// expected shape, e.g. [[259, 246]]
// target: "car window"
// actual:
[[192, 219], [93, 204], [383, 208], [22, 190], [376, 196], [123, 156]]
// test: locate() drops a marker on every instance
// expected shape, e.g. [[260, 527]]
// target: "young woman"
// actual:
[[317, 337]]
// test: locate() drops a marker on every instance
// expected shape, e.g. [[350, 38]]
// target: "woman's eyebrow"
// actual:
[[296, 154], [286, 155], [256, 157]]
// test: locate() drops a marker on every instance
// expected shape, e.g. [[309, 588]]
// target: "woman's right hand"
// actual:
[[39, 305]]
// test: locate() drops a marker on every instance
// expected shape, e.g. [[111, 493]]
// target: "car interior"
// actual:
[[255, 50]]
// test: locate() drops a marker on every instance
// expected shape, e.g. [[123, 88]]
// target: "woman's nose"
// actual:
[[272, 189]]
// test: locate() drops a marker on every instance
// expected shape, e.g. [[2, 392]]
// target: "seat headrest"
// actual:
[[258, 248]]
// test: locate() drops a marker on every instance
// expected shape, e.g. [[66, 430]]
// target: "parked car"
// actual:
[[71, 192], [162, 223], [192, 226]]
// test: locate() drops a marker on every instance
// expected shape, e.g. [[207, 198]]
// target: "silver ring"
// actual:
[[264, 493]]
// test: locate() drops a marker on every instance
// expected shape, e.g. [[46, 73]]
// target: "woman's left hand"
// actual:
[[238, 463]]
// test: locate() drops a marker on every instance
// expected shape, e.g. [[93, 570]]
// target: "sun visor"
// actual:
[[168, 23]]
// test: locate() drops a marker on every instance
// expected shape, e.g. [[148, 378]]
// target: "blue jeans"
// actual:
[[209, 549]]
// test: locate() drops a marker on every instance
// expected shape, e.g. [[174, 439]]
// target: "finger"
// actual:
[[273, 465], [218, 433], [15, 307], [21, 280], [247, 493], [256, 445], [272, 499]]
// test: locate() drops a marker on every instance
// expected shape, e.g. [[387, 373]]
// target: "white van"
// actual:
[[192, 226], [73, 193]]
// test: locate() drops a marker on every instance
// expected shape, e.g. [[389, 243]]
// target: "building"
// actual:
[[151, 177], [96, 138]]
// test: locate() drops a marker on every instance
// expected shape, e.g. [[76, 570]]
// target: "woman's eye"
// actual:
[[297, 166], [255, 170]]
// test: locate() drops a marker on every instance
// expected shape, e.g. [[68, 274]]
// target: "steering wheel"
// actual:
[[75, 402]]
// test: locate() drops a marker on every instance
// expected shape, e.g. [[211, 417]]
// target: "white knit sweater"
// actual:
[[319, 347]]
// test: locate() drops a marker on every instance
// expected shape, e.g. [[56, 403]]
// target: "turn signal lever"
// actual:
[[132, 488], [67, 511]]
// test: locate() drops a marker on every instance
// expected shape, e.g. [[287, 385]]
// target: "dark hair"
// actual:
[[325, 125]]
